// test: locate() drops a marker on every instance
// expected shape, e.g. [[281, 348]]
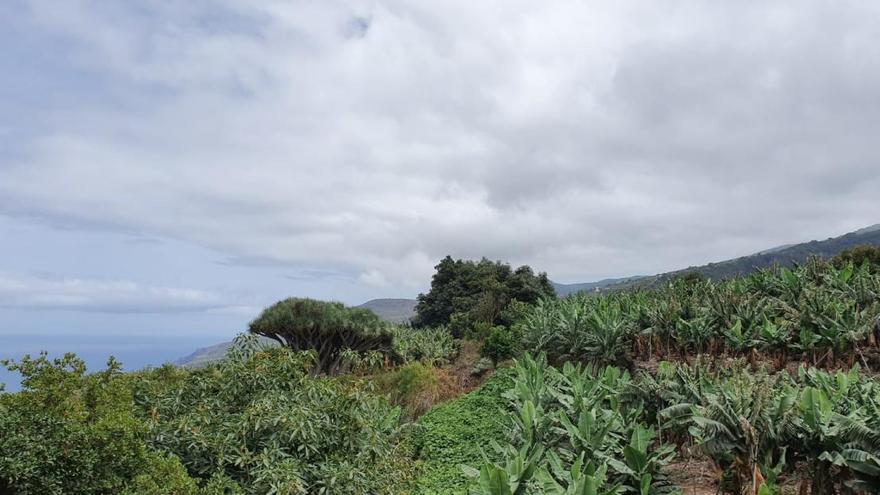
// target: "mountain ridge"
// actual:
[[786, 255]]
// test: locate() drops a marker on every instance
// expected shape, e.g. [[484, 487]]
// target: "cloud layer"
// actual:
[[588, 139], [105, 296]]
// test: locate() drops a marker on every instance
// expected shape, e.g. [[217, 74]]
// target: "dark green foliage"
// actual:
[[327, 328], [502, 343], [456, 432], [858, 255], [466, 292]]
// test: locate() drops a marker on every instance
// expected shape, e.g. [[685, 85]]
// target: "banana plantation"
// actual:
[[815, 314], [588, 430], [768, 377]]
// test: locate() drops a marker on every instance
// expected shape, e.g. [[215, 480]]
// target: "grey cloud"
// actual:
[[587, 139], [103, 296]]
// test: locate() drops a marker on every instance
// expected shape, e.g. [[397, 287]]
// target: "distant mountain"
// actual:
[[563, 290], [787, 255], [393, 310], [209, 354]]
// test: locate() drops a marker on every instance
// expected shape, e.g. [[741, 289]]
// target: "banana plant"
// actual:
[[641, 466], [741, 339], [822, 439], [583, 478], [739, 422], [512, 476]]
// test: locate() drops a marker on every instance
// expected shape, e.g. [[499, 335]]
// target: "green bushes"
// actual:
[[501, 344], [259, 419], [417, 387], [72, 433], [254, 423]]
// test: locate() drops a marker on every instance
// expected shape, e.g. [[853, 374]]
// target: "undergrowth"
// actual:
[[456, 433]]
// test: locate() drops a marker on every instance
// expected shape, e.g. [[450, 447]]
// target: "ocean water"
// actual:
[[133, 351]]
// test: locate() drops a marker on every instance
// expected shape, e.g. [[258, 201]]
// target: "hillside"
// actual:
[[563, 290], [787, 255], [393, 310]]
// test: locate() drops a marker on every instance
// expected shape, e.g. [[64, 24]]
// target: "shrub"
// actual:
[[858, 255], [430, 345], [501, 344], [259, 419], [72, 433], [417, 387], [327, 328]]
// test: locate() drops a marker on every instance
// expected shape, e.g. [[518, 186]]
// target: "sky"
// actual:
[[169, 168]]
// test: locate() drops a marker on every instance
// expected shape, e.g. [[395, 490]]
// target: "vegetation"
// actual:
[[858, 256], [454, 434], [816, 312], [606, 391], [326, 328], [72, 433], [574, 431], [432, 346], [254, 423], [468, 294]]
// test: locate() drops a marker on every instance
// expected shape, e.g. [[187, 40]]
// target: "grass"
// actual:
[[457, 432]]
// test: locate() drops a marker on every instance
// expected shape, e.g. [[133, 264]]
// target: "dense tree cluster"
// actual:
[[465, 294]]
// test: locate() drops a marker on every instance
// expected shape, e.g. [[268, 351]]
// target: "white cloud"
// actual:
[[585, 138], [107, 296]]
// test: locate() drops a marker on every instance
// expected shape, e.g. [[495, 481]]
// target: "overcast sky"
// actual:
[[174, 166]]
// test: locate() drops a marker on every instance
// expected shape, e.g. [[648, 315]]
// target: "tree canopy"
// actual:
[[478, 292], [327, 328], [859, 255]]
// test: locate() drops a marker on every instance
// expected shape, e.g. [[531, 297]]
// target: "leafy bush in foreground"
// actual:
[[72, 433], [259, 419]]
